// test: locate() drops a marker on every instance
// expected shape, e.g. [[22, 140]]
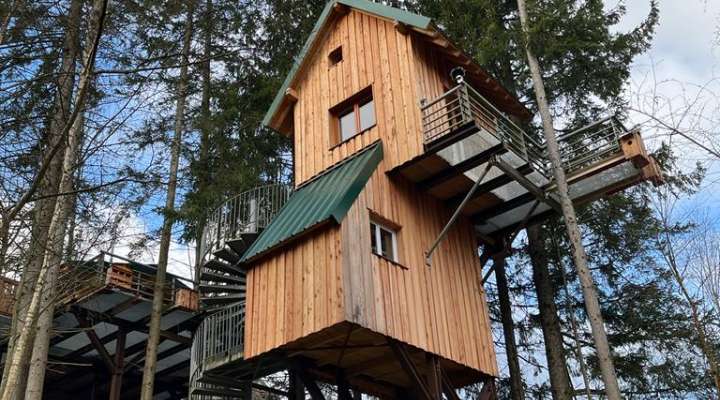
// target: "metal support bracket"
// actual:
[[526, 183], [456, 214]]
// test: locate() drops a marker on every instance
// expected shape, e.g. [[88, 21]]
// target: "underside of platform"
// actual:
[[346, 353], [510, 186], [100, 333]]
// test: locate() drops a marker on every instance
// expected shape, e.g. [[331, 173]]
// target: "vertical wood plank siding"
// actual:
[[331, 276], [401, 70], [294, 292]]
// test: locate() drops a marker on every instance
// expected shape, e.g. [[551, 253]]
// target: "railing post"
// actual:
[[465, 103]]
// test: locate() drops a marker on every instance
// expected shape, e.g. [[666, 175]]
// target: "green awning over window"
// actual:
[[326, 197]]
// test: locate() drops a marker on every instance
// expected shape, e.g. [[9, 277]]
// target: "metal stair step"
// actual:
[[225, 393], [216, 277], [215, 300], [227, 254], [240, 245], [222, 266], [221, 288]]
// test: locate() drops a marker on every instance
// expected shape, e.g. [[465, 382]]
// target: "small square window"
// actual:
[[383, 240], [335, 56]]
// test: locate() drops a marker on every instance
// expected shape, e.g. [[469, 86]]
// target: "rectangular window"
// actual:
[[353, 116], [383, 241]]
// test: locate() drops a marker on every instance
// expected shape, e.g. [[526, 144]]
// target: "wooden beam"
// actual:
[[461, 167], [341, 9], [409, 367], [403, 29], [117, 373], [526, 183], [448, 389], [95, 341], [309, 382], [434, 376], [488, 390], [292, 95], [491, 185]]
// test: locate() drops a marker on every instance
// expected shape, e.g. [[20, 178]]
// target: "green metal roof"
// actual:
[[370, 7], [324, 198]]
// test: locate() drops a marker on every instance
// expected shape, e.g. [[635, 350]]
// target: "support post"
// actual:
[[296, 391], [434, 376], [516, 384], [410, 368], [118, 367]]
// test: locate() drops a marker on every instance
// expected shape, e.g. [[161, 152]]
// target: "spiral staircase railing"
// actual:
[[246, 213]]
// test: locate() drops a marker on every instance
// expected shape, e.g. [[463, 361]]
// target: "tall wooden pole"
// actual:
[[517, 391], [592, 305], [148, 382]]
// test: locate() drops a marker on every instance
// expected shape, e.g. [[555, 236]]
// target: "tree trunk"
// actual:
[[53, 260], [148, 381], [205, 127], [517, 390], [44, 208], [592, 305], [21, 345], [560, 383], [695, 314]]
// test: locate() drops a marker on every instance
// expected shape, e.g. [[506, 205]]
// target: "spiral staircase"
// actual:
[[228, 233]]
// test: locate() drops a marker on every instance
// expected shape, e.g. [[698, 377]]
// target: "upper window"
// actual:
[[353, 116], [383, 240], [335, 56]]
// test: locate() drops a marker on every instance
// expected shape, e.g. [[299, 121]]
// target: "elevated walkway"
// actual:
[[480, 162], [100, 331]]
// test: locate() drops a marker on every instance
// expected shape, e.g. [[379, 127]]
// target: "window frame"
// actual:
[[347, 106], [378, 225]]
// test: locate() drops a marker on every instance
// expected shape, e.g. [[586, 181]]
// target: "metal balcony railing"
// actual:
[[463, 105], [218, 337], [248, 212]]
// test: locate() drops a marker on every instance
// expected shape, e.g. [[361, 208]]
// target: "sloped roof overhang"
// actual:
[[282, 103]]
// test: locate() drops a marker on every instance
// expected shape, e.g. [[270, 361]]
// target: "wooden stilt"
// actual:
[[118, 366], [296, 391], [434, 376], [488, 391], [343, 387], [410, 368]]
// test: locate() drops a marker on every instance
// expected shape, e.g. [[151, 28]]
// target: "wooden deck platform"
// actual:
[[366, 360]]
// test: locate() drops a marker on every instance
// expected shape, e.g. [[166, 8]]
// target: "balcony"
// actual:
[[467, 139]]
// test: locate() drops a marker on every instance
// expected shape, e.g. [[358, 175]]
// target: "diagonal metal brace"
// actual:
[[526, 183], [456, 214]]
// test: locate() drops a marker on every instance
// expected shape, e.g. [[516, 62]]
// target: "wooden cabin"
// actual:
[[407, 157]]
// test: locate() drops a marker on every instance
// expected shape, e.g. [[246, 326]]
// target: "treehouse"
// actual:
[[100, 331], [407, 157]]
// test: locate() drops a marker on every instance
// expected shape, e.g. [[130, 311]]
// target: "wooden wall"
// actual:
[[440, 308], [332, 275], [374, 53], [294, 292]]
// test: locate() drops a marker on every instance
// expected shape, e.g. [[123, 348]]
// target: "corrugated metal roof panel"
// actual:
[[325, 198]]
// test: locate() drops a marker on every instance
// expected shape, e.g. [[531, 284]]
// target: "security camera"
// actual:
[[457, 74]]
